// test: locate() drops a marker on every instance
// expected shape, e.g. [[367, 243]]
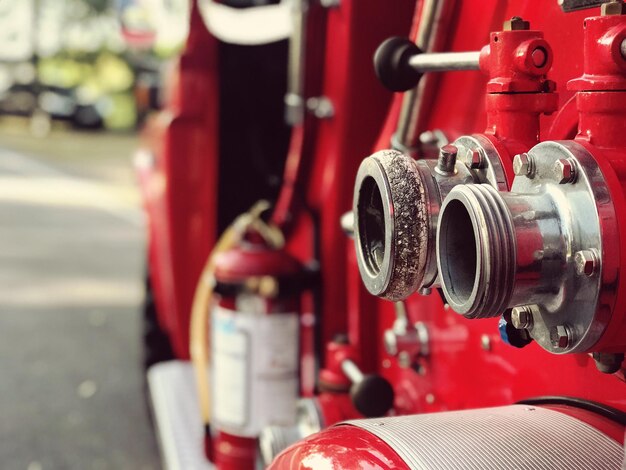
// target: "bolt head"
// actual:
[[516, 24], [449, 150], [586, 262], [447, 159], [613, 8], [523, 165], [560, 337], [539, 57], [608, 363], [521, 317], [474, 159], [564, 171]]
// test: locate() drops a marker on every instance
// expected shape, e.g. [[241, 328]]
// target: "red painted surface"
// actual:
[[336, 407], [468, 366], [179, 189], [234, 452], [350, 447], [342, 447]]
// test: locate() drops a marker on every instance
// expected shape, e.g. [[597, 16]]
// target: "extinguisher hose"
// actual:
[[200, 325]]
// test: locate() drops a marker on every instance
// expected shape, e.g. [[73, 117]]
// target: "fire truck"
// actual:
[[390, 235]]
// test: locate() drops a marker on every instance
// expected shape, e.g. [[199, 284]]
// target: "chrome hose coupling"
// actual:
[[538, 249], [396, 206]]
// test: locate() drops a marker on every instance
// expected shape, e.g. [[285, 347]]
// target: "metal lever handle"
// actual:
[[372, 395], [573, 5], [400, 64]]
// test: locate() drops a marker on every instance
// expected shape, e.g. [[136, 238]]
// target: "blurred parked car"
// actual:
[[55, 102]]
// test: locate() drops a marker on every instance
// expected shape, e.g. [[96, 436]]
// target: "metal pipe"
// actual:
[[294, 99], [352, 371], [429, 35], [445, 61]]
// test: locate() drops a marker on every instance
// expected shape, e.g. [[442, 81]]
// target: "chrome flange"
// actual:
[[540, 248]]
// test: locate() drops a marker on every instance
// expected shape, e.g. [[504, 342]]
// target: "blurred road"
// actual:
[[71, 269]]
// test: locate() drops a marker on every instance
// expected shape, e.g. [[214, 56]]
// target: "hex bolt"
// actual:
[[447, 160], [516, 24], [586, 262], [474, 159], [524, 165], [614, 7], [560, 336], [608, 363], [522, 317], [564, 171]]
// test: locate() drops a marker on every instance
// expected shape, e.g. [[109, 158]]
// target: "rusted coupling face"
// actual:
[[396, 206], [391, 224]]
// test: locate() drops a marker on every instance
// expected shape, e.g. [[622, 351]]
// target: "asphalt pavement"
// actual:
[[71, 270]]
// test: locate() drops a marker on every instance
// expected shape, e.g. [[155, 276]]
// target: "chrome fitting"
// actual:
[[397, 200], [525, 249]]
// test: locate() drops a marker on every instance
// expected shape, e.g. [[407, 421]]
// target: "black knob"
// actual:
[[391, 62], [372, 396]]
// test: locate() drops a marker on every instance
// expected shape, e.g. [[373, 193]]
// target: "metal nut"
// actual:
[[522, 317], [560, 336], [564, 171], [523, 165], [586, 261], [516, 24]]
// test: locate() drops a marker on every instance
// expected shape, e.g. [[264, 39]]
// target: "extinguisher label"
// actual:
[[255, 370]]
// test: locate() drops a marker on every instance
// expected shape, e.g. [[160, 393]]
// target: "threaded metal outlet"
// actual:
[[476, 251]]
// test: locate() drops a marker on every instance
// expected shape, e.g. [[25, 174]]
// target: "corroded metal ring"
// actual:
[[391, 224]]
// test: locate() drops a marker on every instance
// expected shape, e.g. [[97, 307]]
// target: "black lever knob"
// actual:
[[391, 63], [373, 396], [400, 64]]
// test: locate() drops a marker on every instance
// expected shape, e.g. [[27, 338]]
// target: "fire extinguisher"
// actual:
[[253, 338]]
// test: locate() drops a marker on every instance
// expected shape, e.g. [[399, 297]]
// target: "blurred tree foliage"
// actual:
[[94, 60]]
